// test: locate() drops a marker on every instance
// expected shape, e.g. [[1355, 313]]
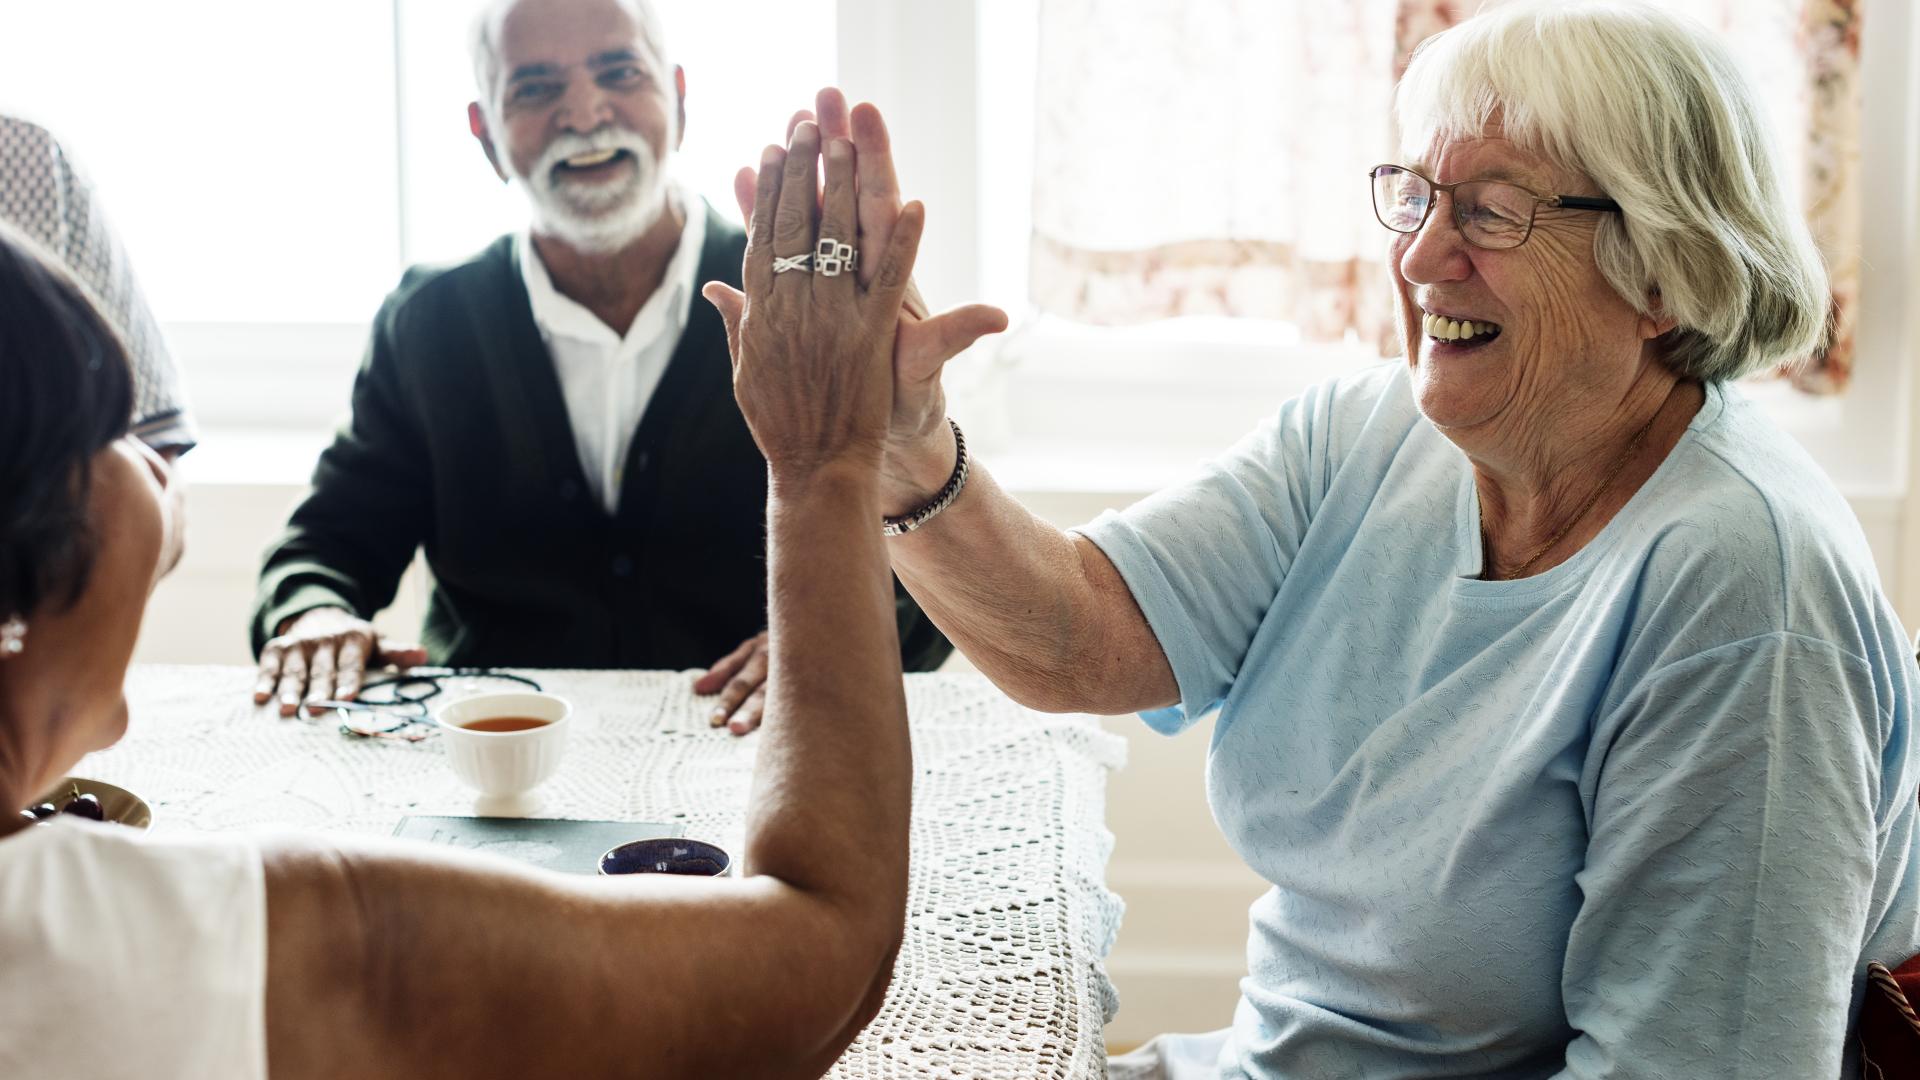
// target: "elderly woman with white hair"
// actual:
[[1554, 690]]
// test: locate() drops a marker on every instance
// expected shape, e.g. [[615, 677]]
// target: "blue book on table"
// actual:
[[571, 847]]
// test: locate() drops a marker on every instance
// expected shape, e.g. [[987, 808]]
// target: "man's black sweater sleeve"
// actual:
[[350, 540], [922, 646]]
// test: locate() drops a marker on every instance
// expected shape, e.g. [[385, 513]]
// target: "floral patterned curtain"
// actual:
[[1208, 157]]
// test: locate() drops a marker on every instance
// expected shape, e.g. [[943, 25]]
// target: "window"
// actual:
[[244, 151], [1189, 386], [1056, 399], [272, 167]]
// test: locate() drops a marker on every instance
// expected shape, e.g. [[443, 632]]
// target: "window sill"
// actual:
[[1053, 408], [254, 457], [1057, 407], [1126, 411]]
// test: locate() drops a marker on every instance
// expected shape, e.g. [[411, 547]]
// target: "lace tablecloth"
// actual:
[[1009, 917]]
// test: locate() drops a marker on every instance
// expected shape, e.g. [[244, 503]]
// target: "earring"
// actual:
[[13, 637]]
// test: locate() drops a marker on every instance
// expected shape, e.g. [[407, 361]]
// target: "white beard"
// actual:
[[596, 218]]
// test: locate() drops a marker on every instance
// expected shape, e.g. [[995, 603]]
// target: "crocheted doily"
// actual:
[[1009, 917]]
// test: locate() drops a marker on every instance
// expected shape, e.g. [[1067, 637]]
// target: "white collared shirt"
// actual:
[[607, 379]]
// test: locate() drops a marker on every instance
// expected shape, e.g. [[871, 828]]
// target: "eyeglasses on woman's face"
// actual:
[[1491, 214]]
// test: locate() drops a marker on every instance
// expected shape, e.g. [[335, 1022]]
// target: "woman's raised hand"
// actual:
[[812, 345], [920, 450]]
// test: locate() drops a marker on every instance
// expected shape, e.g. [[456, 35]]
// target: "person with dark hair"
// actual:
[[50, 542], [45, 195], [241, 957]]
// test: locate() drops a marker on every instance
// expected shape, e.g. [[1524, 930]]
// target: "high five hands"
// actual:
[[812, 348], [787, 211], [919, 444]]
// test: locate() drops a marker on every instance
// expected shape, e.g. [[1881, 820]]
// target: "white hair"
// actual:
[[485, 29], [1654, 110], [601, 218]]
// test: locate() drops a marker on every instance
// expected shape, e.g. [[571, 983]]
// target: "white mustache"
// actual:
[[596, 216], [570, 145]]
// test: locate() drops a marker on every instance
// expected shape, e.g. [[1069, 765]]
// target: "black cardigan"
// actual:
[[459, 441]]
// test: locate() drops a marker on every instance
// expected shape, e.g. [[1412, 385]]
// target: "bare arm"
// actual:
[[394, 961], [1043, 613], [387, 962]]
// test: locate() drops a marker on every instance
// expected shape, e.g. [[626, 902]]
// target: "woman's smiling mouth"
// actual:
[[1460, 333]]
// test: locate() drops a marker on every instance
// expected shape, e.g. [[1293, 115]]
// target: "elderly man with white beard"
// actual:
[[553, 419]]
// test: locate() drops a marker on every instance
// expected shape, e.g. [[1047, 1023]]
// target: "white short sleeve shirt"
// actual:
[[124, 955]]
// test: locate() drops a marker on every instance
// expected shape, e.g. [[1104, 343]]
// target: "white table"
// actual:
[[1009, 918]]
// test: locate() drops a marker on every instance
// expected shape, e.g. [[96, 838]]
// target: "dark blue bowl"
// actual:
[[666, 855]]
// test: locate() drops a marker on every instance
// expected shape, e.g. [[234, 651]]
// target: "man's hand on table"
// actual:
[[740, 678], [323, 654]]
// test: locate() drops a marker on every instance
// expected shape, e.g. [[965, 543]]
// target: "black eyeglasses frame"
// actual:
[[1553, 202]]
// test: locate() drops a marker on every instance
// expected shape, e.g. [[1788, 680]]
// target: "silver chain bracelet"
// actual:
[[906, 523]]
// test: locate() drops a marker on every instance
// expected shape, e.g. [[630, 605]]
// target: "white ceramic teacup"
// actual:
[[505, 766]]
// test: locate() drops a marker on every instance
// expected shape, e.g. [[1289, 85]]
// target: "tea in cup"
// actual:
[[505, 745]]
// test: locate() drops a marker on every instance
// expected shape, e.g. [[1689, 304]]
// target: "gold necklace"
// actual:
[[1612, 474]]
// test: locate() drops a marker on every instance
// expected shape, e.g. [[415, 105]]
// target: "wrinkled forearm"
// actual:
[[833, 778], [1040, 612]]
